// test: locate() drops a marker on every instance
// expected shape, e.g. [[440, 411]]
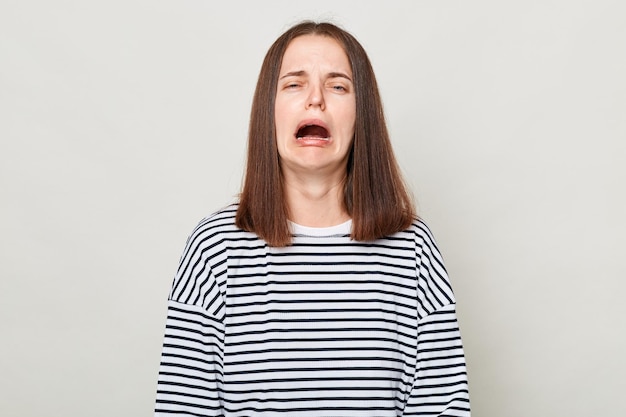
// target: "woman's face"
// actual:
[[315, 107]]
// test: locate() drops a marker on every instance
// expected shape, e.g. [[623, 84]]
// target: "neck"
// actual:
[[315, 202]]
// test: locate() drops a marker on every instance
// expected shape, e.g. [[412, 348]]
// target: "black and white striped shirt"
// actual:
[[325, 327]]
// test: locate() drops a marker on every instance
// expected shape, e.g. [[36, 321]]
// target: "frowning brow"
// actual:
[[329, 75], [339, 75]]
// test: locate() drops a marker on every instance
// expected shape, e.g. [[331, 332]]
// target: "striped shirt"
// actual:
[[327, 326]]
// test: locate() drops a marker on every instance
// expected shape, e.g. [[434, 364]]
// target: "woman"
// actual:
[[320, 293]]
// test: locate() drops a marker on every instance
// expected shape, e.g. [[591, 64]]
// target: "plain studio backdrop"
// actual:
[[123, 123]]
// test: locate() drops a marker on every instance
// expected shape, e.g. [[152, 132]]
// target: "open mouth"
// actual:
[[312, 131]]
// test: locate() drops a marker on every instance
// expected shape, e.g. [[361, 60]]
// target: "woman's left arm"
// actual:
[[440, 385]]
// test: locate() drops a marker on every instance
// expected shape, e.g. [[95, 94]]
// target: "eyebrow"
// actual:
[[329, 75]]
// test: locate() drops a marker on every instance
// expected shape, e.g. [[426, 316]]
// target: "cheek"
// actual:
[[350, 113], [279, 118], [350, 118], [282, 113]]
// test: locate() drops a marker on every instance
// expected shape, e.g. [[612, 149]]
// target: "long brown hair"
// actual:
[[375, 195]]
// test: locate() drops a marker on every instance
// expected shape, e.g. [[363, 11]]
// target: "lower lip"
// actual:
[[312, 141]]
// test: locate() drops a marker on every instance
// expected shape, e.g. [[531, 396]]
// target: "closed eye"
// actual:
[[292, 85], [339, 87]]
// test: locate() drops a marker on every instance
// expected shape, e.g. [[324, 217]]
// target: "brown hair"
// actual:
[[375, 196]]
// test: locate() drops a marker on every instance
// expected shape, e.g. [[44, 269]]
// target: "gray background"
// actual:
[[123, 123]]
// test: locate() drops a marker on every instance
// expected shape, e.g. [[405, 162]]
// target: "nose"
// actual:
[[316, 97]]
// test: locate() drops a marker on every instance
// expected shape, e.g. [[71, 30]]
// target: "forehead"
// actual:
[[308, 50]]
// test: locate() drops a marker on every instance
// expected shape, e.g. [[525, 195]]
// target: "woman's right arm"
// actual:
[[190, 374], [191, 369]]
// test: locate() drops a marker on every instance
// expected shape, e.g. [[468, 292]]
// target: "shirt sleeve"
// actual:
[[440, 386], [190, 380], [190, 373]]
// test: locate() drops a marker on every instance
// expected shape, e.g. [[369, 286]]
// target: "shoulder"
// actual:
[[203, 261], [422, 234], [433, 281], [209, 235], [426, 246], [220, 226], [220, 221]]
